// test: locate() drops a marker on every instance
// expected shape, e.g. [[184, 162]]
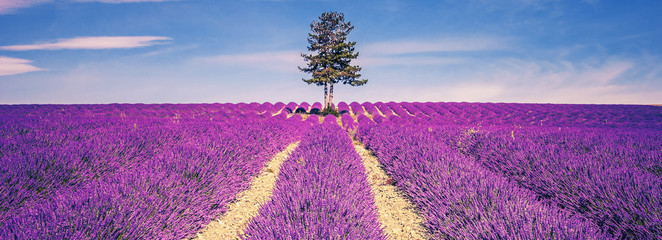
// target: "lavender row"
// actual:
[[612, 177], [370, 109], [82, 176], [499, 114], [534, 114], [343, 108], [172, 111], [213, 111], [316, 108], [458, 197], [321, 193], [437, 113], [357, 109]]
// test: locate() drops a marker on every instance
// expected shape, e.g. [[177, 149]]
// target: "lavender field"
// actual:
[[471, 170]]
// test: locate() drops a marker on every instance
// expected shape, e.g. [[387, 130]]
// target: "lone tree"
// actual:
[[332, 54]]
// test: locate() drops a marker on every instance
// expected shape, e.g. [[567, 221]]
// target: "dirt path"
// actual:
[[397, 215], [248, 203]]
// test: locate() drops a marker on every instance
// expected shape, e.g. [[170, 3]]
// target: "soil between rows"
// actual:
[[398, 217]]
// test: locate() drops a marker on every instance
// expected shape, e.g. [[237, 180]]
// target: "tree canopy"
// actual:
[[330, 60]]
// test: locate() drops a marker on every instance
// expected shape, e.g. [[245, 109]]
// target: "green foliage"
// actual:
[[330, 62], [331, 111]]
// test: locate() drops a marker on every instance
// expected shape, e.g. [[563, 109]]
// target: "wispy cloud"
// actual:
[[379, 61], [13, 66], [574, 83], [456, 44], [556, 82], [425, 52], [91, 43], [282, 61], [515, 5], [123, 1], [517, 80], [9, 6]]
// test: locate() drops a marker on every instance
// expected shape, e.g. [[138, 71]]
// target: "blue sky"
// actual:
[[188, 51]]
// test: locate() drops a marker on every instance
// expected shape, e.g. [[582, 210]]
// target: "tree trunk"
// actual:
[[330, 105], [326, 96]]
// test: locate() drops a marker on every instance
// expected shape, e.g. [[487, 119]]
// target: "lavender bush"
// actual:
[[357, 109], [101, 175], [609, 176], [474, 170], [384, 109], [321, 193], [370, 108], [459, 198]]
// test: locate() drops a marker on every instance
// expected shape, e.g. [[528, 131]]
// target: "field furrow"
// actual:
[[607, 176], [460, 199], [398, 217], [137, 177], [247, 203], [321, 193], [431, 170]]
